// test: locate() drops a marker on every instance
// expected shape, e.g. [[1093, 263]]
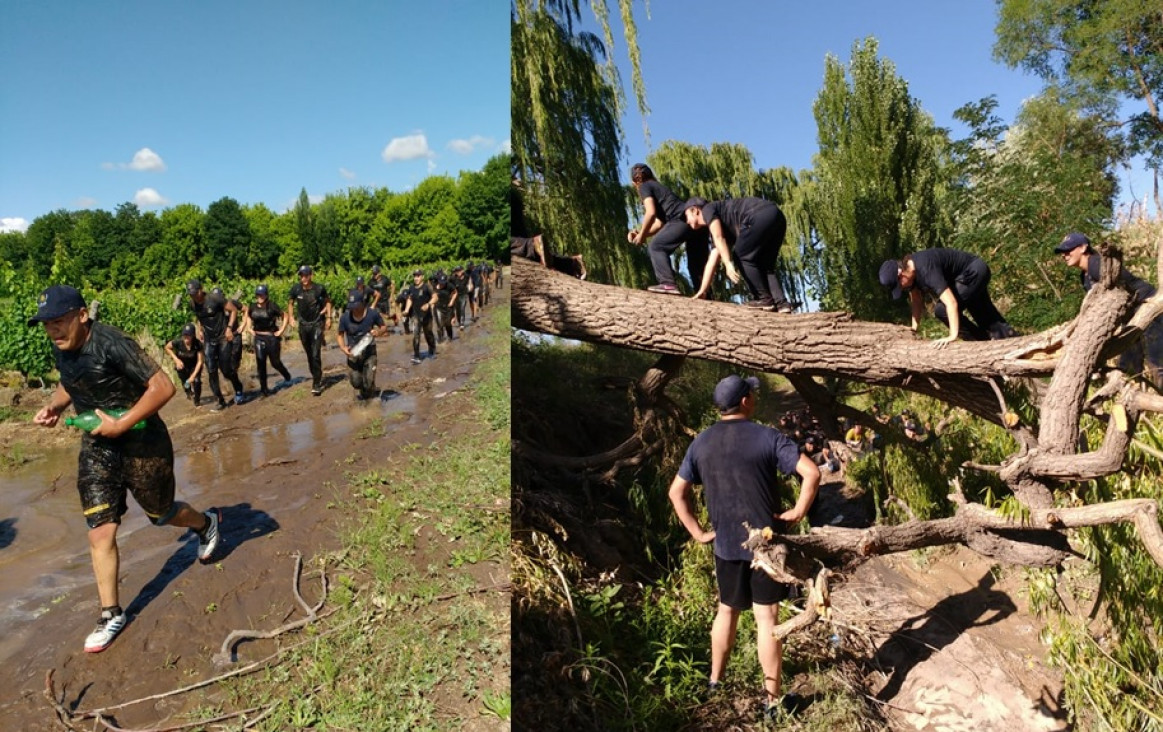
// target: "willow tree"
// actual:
[[567, 102], [1101, 53], [878, 180]]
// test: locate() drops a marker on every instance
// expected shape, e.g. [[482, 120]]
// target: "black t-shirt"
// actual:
[[667, 207], [110, 371], [211, 313], [309, 301], [265, 318], [188, 356], [444, 294], [379, 283], [420, 295], [460, 282], [354, 329], [739, 462], [938, 268], [735, 214], [1093, 273]]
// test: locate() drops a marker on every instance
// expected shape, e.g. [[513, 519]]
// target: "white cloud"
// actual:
[[147, 197], [144, 159], [13, 223], [347, 173], [507, 147], [86, 202], [464, 147], [409, 147]]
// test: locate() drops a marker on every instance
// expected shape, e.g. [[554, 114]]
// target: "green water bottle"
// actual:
[[88, 421]]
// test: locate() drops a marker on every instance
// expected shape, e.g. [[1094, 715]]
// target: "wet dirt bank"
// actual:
[[276, 468]]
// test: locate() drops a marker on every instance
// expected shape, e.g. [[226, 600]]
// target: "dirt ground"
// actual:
[[275, 467]]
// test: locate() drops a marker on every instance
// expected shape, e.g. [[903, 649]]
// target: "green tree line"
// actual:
[[440, 219]]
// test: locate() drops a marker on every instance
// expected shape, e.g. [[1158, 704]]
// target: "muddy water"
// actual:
[[44, 556]]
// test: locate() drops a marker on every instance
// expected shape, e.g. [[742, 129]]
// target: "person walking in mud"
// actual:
[[738, 462], [381, 288], [752, 230], [267, 323], [357, 323], [960, 282], [402, 304], [186, 351], [665, 225], [236, 345], [445, 307], [419, 308], [103, 369], [310, 301], [459, 282], [218, 323]]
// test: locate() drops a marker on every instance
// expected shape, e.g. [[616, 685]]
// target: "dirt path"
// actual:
[[275, 467]]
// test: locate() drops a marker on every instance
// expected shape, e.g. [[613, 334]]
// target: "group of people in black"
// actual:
[[430, 306]]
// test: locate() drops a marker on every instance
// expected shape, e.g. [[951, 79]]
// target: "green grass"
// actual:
[[421, 637]]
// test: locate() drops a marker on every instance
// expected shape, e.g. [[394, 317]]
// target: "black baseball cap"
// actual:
[[193, 287], [56, 301], [261, 290], [354, 298], [375, 269], [696, 202], [359, 280], [189, 330], [730, 391], [888, 277], [417, 273], [1072, 241], [305, 269]]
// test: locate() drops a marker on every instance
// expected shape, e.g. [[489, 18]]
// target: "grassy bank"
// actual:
[[419, 639]]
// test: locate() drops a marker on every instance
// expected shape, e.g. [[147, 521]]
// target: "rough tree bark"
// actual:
[[962, 374]]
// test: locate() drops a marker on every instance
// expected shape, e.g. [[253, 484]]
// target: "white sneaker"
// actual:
[[107, 629], [209, 537]]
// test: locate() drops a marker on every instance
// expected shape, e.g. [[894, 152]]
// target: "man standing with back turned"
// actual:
[[738, 463]]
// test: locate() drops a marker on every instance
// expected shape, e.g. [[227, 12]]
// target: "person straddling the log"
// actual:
[[445, 306], [218, 325], [738, 463], [665, 225], [1076, 251], [534, 248], [103, 369], [753, 230], [310, 301], [855, 438], [357, 322], [419, 309], [186, 351], [268, 324], [960, 282]]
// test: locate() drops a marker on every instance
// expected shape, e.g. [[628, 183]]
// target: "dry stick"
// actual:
[[569, 599], [501, 586], [226, 654], [174, 728], [63, 715]]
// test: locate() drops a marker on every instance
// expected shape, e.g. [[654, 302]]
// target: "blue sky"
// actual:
[[163, 103], [749, 72]]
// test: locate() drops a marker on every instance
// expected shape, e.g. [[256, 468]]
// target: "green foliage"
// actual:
[[878, 183], [1020, 190], [1100, 53]]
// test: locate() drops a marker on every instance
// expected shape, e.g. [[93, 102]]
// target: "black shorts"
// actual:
[[740, 586], [141, 463]]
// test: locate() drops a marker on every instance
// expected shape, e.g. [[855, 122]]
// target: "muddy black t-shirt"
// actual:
[[420, 295], [667, 207], [267, 317], [379, 284], [110, 371], [188, 356], [309, 301], [938, 268], [739, 462], [211, 313], [444, 295], [1093, 273], [734, 214], [460, 282], [354, 329]]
